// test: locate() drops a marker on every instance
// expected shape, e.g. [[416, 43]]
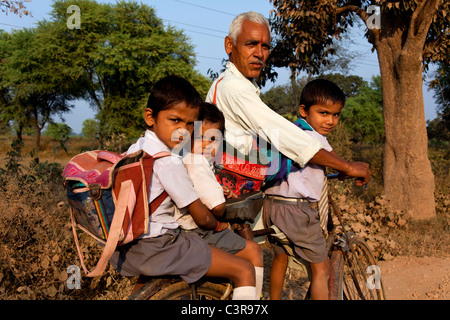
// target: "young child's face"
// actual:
[[173, 125], [209, 141], [322, 117]]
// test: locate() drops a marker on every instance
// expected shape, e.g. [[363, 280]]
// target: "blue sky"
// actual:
[[206, 22]]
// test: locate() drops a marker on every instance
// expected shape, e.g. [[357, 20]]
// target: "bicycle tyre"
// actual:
[[178, 289], [335, 281], [361, 279]]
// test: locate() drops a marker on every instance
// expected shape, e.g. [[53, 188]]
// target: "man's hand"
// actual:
[[361, 171]]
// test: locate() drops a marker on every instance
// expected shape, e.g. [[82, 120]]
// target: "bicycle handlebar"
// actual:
[[331, 176]]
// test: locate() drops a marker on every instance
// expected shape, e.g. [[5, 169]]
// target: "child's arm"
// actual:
[[219, 210], [353, 169], [204, 218]]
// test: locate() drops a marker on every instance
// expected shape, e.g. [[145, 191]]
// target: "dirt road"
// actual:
[[404, 278], [412, 278]]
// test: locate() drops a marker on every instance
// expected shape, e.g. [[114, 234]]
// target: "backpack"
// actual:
[[108, 196], [285, 164]]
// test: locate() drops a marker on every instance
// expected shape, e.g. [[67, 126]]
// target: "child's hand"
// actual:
[[228, 193], [222, 226]]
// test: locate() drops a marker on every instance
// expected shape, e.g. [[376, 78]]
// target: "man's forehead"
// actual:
[[255, 31]]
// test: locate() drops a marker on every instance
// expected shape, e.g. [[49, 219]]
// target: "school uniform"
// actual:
[[164, 249], [291, 205], [211, 195]]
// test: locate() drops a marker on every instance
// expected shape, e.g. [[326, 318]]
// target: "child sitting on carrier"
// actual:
[[205, 145], [291, 202], [172, 109]]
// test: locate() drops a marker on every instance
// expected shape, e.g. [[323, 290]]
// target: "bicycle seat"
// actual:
[[244, 208]]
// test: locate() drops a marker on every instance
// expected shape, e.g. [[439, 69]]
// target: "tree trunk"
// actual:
[[408, 179]]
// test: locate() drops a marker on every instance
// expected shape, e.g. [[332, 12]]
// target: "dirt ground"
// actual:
[[412, 278], [404, 278]]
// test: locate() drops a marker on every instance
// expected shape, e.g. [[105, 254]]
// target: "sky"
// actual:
[[206, 22]]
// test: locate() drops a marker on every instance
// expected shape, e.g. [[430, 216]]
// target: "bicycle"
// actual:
[[354, 273]]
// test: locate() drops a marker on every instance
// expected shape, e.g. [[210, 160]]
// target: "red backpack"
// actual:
[[108, 195]]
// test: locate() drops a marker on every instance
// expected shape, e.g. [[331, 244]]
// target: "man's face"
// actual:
[[251, 50]]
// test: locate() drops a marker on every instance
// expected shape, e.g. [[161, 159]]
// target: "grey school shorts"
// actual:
[[226, 239], [300, 223], [173, 253]]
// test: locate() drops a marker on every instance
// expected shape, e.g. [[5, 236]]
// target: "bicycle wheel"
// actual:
[[177, 289], [335, 281], [361, 278]]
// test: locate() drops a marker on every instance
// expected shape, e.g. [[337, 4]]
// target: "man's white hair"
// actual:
[[236, 24]]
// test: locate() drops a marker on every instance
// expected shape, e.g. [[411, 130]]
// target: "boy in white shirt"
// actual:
[[291, 202], [173, 107], [199, 165]]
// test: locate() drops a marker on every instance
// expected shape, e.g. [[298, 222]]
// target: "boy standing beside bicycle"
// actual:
[[291, 202]]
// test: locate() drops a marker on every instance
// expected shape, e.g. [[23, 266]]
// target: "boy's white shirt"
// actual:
[[209, 190], [169, 174], [304, 183]]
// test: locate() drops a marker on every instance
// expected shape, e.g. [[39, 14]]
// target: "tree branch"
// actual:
[[421, 20], [358, 10]]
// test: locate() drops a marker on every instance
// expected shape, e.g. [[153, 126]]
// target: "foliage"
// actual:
[[117, 54], [363, 115], [35, 88], [14, 6], [438, 132], [91, 129], [349, 84], [441, 87], [59, 132], [281, 99], [305, 30], [112, 61]]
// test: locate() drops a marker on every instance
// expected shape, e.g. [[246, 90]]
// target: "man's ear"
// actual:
[[148, 117], [302, 111], [228, 44]]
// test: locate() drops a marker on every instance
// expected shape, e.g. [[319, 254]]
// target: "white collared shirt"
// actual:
[[169, 174], [209, 190], [246, 116]]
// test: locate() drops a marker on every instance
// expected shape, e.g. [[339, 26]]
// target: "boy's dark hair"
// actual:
[[171, 90], [211, 113], [321, 91]]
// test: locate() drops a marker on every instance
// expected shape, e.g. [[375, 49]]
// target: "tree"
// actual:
[[363, 114], [412, 33], [91, 129], [35, 87], [59, 132], [441, 87], [281, 99], [116, 56]]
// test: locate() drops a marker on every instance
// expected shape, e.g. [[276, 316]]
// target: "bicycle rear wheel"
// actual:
[[361, 277], [335, 282], [177, 289]]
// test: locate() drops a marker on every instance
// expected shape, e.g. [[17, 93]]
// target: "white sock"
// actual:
[[259, 275], [244, 293]]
